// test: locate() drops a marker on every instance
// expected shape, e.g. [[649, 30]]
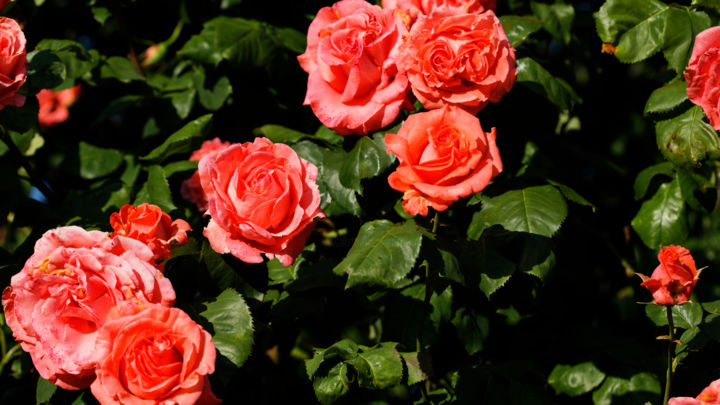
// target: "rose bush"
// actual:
[[13, 66], [158, 355], [191, 189], [444, 155], [148, 224], [460, 59], [701, 74], [354, 86], [54, 105], [262, 198], [59, 301], [673, 279]]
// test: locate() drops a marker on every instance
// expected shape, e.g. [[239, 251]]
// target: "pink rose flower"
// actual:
[[673, 280], [710, 395], [61, 298], [354, 86], [158, 355], [702, 75], [426, 7], [13, 65], [262, 198], [444, 155], [151, 226], [191, 189], [459, 59], [54, 105]]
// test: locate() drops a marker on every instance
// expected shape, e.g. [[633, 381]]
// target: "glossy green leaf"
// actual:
[[185, 140], [575, 380], [331, 385], [158, 189], [44, 391], [686, 316], [572, 195], [539, 210], [117, 67], [643, 179], [618, 16], [383, 253], [232, 326], [379, 367], [329, 175], [539, 80], [367, 159], [518, 28], [472, 329], [97, 162], [661, 220], [682, 26], [556, 18], [686, 139], [667, 97]]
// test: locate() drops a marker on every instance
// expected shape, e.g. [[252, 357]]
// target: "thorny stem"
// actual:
[[671, 341]]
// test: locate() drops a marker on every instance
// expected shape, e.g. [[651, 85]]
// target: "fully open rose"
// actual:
[[13, 66], [354, 86], [703, 74], [444, 155], [459, 59], [262, 198], [709, 395], [157, 356], [61, 298], [673, 279], [426, 7]]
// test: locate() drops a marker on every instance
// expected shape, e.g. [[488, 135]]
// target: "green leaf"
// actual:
[[621, 387], [472, 329], [686, 139], [539, 210], [367, 159], [232, 324], [332, 384], [117, 67], [281, 134], [158, 189], [707, 3], [211, 99], [556, 18], [616, 16], [78, 62], [572, 195], [181, 166], [681, 28], [292, 39], [518, 28], [661, 220], [97, 162], [182, 101], [539, 80], [329, 176], [643, 179], [185, 140], [280, 274], [221, 273], [537, 257], [46, 70], [686, 316], [575, 380], [414, 371], [667, 97], [378, 368], [383, 253], [44, 391], [100, 14]]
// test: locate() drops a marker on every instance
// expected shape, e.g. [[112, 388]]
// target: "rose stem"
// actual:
[[671, 340], [34, 179]]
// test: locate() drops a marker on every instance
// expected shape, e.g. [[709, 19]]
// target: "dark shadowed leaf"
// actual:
[[575, 380], [232, 325], [97, 162], [185, 140], [539, 80]]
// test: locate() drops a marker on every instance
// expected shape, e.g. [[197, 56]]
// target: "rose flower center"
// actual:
[[151, 367]]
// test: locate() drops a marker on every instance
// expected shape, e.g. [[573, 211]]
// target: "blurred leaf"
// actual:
[[158, 189], [185, 140], [661, 220], [44, 391], [292, 39], [78, 62], [707, 3], [681, 28], [667, 97], [345, 349], [539, 80], [539, 210], [182, 101], [97, 162], [117, 67], [281, 134], [556, 18], [100, 14], [46, 70], [379, 367], [367, 159], [472, 329], [619, 387], [643, 179], [686, 139], [518, 28], [232, 325], [383, 253], [575, 380]]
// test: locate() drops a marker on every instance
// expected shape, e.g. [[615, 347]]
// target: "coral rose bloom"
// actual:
[[426, 7], [354, 86], [673, 280], [703, 74], [61, 298], [54, 105], [710, 395], [191, 189], [13, 65], [444, 155], [262, 198], [158, 355], [459, 59], [151, 226]]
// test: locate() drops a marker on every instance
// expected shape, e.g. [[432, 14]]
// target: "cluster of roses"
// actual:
[[366, 62], [93, 309]]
